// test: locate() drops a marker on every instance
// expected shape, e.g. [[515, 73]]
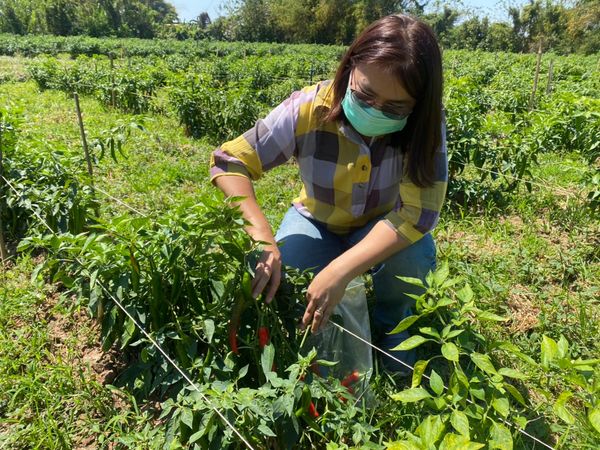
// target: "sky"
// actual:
[[495, 9]]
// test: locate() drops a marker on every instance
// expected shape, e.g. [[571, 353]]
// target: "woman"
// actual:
[[370, 146]]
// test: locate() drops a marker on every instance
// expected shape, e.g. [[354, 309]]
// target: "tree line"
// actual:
[[98, 18], [572, 27]]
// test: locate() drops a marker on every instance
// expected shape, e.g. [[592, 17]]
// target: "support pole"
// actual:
[[83, 139], [88, 159], [536, 78], [112, 79]]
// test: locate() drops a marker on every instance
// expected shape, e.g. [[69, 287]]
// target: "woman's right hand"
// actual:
[[267, 274], [268, 269]]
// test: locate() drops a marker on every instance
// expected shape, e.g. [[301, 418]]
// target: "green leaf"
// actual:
[[560, 407], [500, 437], [457, 442], [594, 417], [267, 357], [585, 362], [486, 315], [404, 324], [436, 383], [549, 350], [563, 347], [483, 362], [196, 436], [402, 445], [440, 275], [515, 351], [460, 422], [454, 333], [465, 294], [127, 333], [430, 332], [418, 370], [265, 430], [501, 406], [411, 395], [515, 393], [411, 342], [187, 417], [209, 330], [430, 430], [512, 373], [450, 351], [413, 281]]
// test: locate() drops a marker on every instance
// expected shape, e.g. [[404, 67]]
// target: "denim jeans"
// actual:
[[306, 243]]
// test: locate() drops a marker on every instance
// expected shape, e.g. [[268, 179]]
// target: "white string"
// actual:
[[428, 378], [229, 424], [131, 208], [154, 343]]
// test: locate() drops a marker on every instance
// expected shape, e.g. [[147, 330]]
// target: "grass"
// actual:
[[535, 262]]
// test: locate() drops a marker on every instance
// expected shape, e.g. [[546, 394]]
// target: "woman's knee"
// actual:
[[305, 244], [414, 261]]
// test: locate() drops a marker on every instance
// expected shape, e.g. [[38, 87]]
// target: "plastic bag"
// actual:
[[353, 357]]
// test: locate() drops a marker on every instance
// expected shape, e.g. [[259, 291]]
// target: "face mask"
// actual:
[[367, 120]]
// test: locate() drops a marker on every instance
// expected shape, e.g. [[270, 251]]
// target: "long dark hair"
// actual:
[[406, 48]]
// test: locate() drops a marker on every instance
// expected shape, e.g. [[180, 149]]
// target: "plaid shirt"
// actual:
[[346, 182]]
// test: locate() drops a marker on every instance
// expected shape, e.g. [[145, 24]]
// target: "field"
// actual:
[[506, 333]]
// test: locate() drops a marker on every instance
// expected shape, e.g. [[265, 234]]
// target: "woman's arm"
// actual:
[[268, 268], [327, 288]]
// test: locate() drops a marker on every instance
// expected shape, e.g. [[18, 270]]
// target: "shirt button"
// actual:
[[364, 167]]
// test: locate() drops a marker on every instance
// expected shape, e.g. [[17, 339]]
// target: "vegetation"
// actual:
[[506, 331], [122, 18]]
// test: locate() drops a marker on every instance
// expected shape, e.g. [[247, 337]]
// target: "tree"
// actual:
[[60, 17], [442, 22], [583, 27], [203, 20]]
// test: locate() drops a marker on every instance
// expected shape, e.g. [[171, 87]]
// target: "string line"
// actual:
[[154, 343]]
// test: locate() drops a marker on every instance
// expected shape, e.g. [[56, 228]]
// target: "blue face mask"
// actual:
[[368, 120]]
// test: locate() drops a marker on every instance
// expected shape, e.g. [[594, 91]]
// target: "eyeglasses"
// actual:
[[393, 112]]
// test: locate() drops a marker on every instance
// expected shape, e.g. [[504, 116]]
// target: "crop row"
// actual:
[[494, 121]]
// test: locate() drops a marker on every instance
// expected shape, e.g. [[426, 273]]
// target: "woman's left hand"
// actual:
[[325, 291]]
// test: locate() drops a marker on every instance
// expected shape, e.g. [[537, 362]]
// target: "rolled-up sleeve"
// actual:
[[269, 143], [419, 208]]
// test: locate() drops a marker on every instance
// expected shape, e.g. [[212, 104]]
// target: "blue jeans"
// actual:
[[306, 243]]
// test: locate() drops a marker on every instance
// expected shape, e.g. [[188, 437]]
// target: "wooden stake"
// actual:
[[88, 159], [537, 76], [550, 73], [3, 250], [83, 138], [112, 80]]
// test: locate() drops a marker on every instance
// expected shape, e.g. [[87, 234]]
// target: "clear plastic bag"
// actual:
[[353, 357]]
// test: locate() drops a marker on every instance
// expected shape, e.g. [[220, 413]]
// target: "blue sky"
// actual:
[[495, 9]]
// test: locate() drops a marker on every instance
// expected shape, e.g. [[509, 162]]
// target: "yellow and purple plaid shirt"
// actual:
[[346, 182]]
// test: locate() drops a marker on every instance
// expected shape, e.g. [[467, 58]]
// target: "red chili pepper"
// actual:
[[312, 410], [233, 338], [351, 379], [263, 337]]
